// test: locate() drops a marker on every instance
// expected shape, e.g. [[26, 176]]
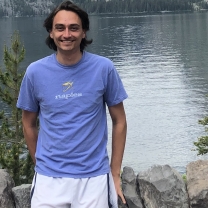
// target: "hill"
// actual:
[[43, 7]]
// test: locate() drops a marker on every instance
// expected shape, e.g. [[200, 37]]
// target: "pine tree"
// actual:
[[202, 143], [14, 155]]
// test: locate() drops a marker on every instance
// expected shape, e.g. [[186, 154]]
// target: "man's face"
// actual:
[[67, 31]]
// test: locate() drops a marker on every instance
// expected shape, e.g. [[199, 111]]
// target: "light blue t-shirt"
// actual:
[[71, 101]]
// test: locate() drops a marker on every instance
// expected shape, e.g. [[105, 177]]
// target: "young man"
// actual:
[[68, 91]]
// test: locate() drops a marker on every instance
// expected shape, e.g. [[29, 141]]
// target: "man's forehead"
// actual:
[[66, 15], [67, 19]]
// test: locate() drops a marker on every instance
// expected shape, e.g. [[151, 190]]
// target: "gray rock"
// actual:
[[163, 187], [22, 195], [197, 183], [121, 204], [130, 190], [6, 185]]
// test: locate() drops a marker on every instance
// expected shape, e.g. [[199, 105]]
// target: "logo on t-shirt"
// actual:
[[66, 86]]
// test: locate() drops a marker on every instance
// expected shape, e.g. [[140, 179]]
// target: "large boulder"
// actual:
[[129, 187], [197, 183], [163, 187], [22, 195], [6, 185]]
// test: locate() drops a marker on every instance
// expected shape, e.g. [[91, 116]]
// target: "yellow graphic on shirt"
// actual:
[[67, 85]]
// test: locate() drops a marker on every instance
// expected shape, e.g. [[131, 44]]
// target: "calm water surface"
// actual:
[[163, 62]]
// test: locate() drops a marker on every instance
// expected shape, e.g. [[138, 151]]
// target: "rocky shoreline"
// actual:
[[159, 187]]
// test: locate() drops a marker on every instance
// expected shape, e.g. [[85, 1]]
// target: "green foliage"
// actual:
[[14, 155], [15, 158], [10, 80], [202, 143], [184, 177]]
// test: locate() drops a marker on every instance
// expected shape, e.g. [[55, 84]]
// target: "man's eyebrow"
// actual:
[[60, 24], [74, 25]]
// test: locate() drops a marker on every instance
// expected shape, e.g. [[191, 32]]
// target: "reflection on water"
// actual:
[[162, 60]]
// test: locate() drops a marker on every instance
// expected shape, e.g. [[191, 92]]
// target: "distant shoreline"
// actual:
[[122, 13]]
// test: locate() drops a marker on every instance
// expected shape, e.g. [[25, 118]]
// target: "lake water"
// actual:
[[163, 62]]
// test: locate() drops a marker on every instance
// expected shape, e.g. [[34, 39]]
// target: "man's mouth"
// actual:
[[66, 41]]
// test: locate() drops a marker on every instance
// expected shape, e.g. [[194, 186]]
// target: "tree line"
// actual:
[[134, 6], [21, 8]]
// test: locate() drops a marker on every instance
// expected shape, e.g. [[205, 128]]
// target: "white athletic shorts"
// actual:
[[94, 192]]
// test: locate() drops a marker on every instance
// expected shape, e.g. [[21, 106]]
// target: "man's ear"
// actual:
[[84, 34], [51, 35]]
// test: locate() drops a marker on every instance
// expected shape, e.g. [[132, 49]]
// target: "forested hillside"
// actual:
[[43, 7]]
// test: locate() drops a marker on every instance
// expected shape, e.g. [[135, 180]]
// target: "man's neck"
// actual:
[[67, 58]]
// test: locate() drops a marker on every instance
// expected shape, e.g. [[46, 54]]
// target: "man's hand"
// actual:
[[117, 182]]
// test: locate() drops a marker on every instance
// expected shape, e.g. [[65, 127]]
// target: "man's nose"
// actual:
[[67, 33]]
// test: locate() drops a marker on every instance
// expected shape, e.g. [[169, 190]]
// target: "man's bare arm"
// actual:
[[119, 130], [30, 130]]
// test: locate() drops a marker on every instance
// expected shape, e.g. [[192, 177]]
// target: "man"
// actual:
[[68, 91]]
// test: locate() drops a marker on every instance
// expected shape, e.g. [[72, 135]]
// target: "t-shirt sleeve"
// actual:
[[115, 92], [26, 99]]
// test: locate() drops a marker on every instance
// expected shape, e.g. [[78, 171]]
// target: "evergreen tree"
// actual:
[[14, 155], [202, 143]]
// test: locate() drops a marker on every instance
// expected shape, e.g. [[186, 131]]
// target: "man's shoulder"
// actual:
[[97, 58], [44, 60], [37, 66]]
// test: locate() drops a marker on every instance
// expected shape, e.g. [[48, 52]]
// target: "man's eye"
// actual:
[[74, 28], [60, 28]]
